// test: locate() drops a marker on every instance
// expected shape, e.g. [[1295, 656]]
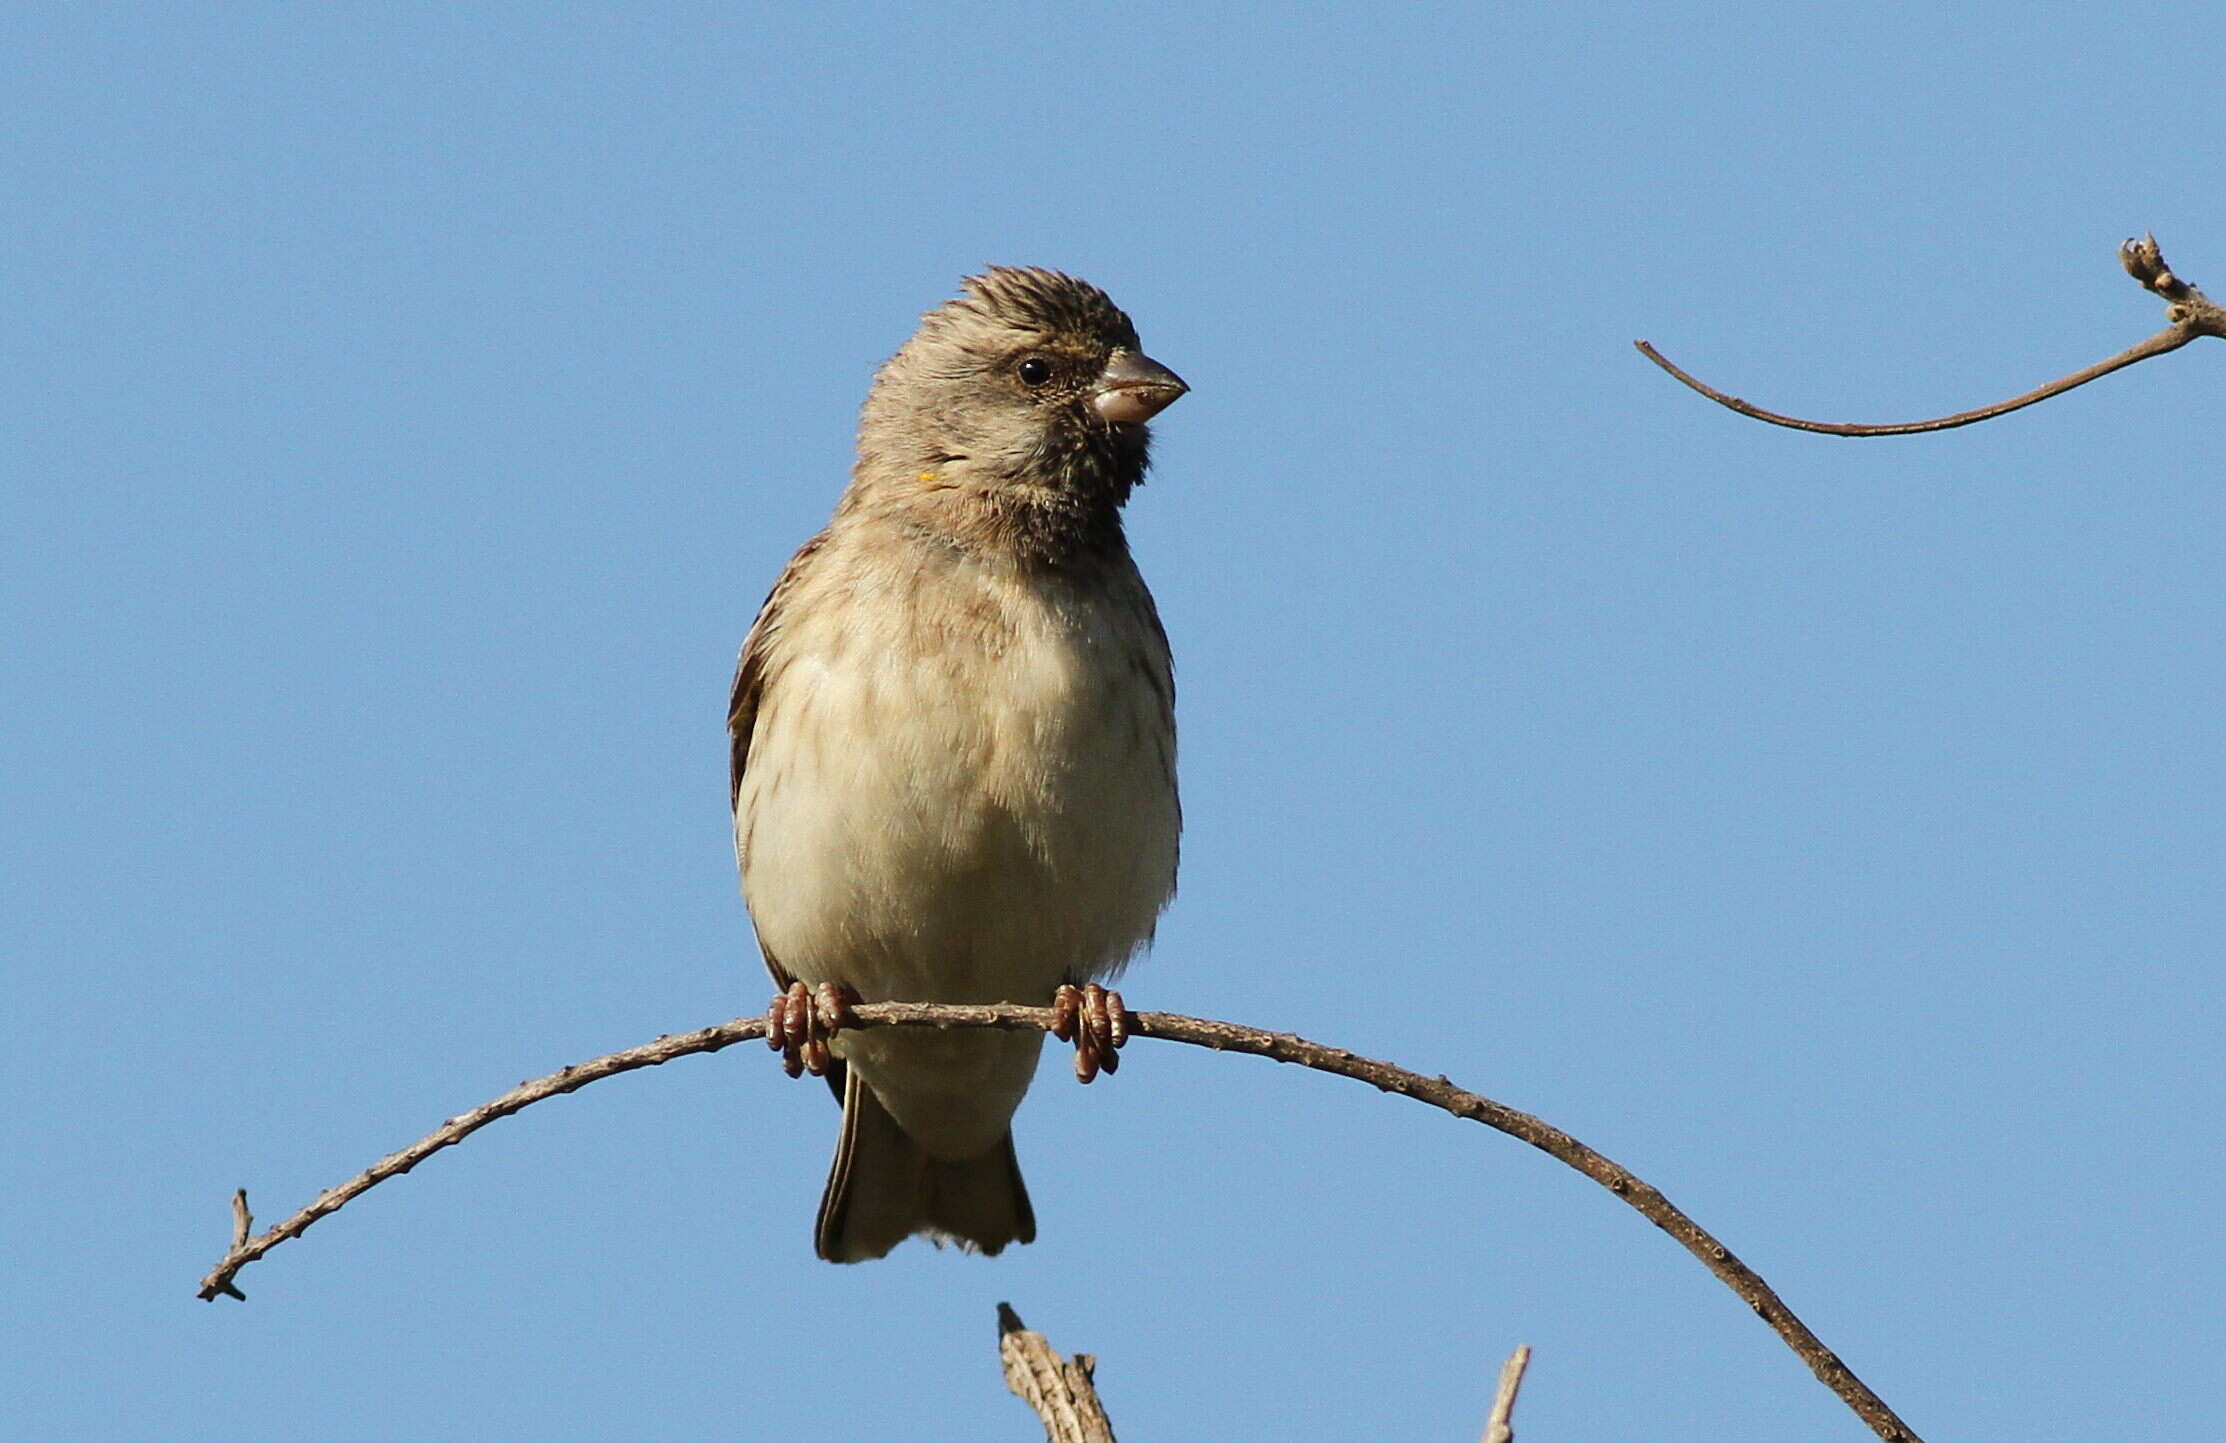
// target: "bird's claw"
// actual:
[[1096, 1022], [802, 1021]]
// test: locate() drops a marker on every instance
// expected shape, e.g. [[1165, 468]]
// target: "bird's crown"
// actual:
[[1032, 298]]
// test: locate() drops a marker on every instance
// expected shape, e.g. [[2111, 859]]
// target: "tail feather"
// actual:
[[883, 1189]]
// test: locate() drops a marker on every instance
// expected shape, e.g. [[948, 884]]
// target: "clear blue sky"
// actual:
[[405, 408]]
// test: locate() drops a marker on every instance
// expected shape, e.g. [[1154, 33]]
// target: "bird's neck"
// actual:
[[1060, 506], [1030, 525], [1047, 526]]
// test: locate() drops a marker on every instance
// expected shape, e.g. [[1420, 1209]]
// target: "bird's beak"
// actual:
[[1135, 388]]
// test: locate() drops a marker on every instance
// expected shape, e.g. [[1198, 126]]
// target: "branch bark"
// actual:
[[1500, 1427], [1437, 1092], [2189, 312], [1064, 1394]]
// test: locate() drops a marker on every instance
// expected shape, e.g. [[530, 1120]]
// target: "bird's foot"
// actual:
[[802, 1021], [1094, 1020]]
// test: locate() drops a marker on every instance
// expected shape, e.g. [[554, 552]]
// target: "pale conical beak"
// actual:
[[1135, 388]]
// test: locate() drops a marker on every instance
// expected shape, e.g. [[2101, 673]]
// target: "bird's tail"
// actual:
[[883, 1189]]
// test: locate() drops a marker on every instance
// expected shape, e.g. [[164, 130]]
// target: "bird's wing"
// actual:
[[749, 689], [749, 671]]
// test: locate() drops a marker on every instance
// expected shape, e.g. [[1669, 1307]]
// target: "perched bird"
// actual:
[[953, 733]]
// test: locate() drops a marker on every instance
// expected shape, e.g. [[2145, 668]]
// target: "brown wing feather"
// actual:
[[749, 689], [749, 670]]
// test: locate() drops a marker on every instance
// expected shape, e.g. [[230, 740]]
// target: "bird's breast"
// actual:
[[962, 782]]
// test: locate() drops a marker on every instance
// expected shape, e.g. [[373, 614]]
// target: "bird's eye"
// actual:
[[1034, 371]]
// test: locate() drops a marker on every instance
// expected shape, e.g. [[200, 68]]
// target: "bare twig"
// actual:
[[1500, 1428], [1064, 1394], [1170, 1027], [2189, 312], [243, 1223]]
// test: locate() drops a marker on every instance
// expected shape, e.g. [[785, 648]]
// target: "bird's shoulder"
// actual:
[[838, 581]]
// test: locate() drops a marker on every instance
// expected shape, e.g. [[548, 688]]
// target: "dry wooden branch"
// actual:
[[1167, 1026], [1500, 1428], [2187, 310], [1064, 1394]]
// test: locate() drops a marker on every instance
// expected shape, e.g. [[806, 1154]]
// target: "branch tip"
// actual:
[[1500, 1428], [1062, 1392]]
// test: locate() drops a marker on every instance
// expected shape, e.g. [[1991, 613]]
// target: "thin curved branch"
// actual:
[[246, 1249], [2171, 338], [2189, 311], [1170, 1027]]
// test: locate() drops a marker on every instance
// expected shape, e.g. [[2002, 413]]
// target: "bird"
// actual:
[[953, 766]]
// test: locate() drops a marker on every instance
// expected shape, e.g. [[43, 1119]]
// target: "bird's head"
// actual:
[[1029, 382]]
